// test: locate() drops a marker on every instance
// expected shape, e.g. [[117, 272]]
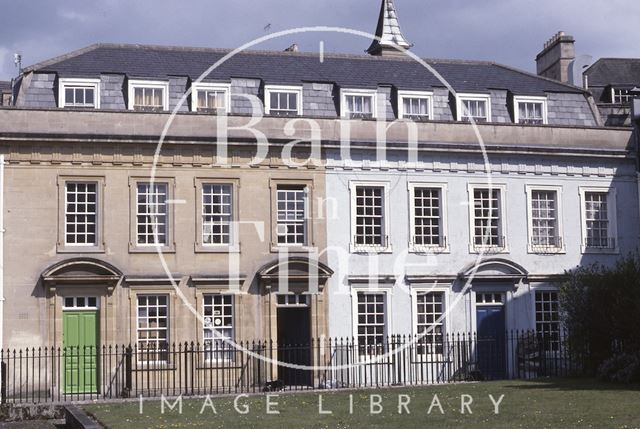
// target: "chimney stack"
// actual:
[[556, 56]]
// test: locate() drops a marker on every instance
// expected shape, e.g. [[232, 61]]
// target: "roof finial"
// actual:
[[388, 32]]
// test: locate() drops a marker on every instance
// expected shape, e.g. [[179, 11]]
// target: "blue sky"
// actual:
[[506, 31]]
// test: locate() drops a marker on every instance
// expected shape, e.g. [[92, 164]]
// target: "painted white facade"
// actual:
[[399, 272]]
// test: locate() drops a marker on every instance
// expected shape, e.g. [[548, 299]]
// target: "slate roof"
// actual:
[[614, 71], [143, 61], [5, 85]]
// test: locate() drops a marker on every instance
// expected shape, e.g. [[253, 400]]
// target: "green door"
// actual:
[[80, 340]]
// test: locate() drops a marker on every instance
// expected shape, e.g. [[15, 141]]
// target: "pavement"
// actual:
[[34, 424]]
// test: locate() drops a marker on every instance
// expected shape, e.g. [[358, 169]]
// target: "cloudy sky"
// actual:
[[507, 31]]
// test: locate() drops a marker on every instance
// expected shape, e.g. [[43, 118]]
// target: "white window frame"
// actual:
[[540, 100], [231, 216], [531, 248], [96, 214], [423, 95], [344, 93], [208, 86], [306, 217], [613, 95], [155, 84], [534, 312], [415, 290], [612, 213], [63, 83], [359, 248], [75, 306], [210, 355], [142, 354], [167, 214], [472, 97], [268, 89], [493, 302], [293, 300], [473, 248], [385, 290], [444, 230]]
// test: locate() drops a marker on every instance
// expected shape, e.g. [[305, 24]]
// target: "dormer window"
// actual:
[[620, 96], [283, 100], [474, 106], [414, 105], [148, 96], [530, 110], [80, 93], [358, 104], [211, 98]]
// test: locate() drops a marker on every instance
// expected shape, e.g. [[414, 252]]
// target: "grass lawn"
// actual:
[[526, 404]]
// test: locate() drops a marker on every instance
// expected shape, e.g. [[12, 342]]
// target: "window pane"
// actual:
[[486, 213], [427, 217], [218, 327], [216, 213], [371, 324], [430, 326], [153, 328], [548, 319], [291, 214], [369, 216], [151, 213], [597, 220], [544, 219], [80, 217]]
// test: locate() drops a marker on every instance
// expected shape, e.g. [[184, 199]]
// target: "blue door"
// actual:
[[491, 345]]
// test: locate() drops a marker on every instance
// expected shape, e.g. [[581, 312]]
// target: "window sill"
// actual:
[[61, 248], [363, 250], [547, 251], [428, 250], [291, 249], [200, 248], [488, 250], [151, 249]]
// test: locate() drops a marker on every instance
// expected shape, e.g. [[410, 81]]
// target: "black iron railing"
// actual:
[[51, 374]]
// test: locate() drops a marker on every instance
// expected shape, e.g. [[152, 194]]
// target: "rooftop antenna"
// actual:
[[17, 60]]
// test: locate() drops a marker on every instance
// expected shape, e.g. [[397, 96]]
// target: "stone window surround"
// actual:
[[432, 288], [234, 245], [61, 246], [273, 188], [356, 248], [529, 189], [502, 188], [170, 246], [613, 217], [381, 288], [443, 188]]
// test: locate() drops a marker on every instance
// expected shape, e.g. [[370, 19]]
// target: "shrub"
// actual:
[[621, 368], [601, 309]]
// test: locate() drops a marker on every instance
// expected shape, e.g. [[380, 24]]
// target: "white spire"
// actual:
[[388, 32]]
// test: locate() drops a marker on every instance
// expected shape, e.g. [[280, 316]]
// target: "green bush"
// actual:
[[601, 307], [622, 368]]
